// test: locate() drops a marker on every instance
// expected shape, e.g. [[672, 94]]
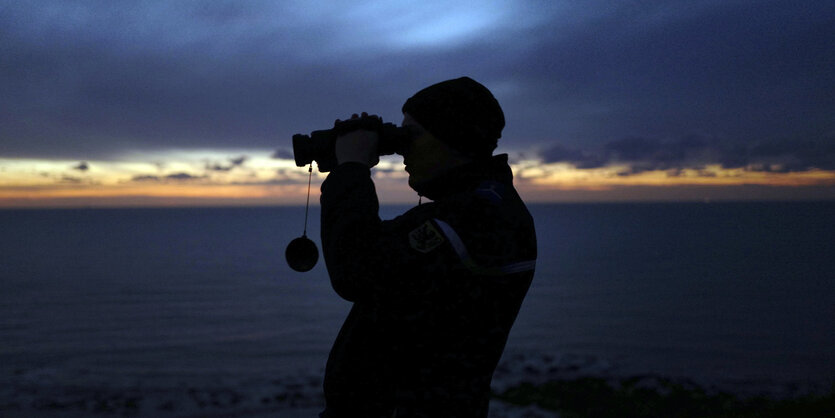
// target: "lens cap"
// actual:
[[302, 254]]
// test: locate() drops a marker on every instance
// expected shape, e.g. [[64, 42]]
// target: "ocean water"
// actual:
[[194, 310]]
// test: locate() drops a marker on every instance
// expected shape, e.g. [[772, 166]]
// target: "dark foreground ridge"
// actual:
[[654, 396], [592, 397], [524, 386]]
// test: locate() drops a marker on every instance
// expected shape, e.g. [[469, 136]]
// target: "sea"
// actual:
[[195, 312]]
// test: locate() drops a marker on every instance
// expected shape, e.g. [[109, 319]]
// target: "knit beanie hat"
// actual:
[[460, 112]]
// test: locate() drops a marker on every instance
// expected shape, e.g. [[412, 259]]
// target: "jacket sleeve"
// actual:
[[366, 257]]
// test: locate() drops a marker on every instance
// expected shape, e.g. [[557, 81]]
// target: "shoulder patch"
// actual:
[[425, 238]]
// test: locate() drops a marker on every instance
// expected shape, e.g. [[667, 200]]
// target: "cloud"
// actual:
[[144, 178], [580, 159], [638, 155], [82, 166], [664, 69], [233, 162], [283, 154], [790, 156], [171, 177], [238, 161], [272, 182], [70, 180], [105, 78], [182, 176]]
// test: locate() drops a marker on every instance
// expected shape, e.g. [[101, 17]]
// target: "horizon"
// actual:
[[566, 185], [315, 206]]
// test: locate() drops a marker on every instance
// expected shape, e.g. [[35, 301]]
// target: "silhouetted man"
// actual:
[[437, 289]]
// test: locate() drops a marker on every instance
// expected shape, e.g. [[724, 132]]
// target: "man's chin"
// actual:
[[415, 183]]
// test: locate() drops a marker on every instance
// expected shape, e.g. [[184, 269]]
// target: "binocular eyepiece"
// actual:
[[319, 146]]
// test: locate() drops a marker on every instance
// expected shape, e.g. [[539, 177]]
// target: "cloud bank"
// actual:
[[93, 80], [639, 155]]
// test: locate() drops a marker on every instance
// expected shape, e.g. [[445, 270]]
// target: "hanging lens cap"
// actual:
[[302, 254]]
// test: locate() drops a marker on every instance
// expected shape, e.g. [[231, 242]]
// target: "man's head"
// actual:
[[460, 112], [457, 121]]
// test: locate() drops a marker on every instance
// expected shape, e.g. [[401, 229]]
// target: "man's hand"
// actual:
[[358, 146]]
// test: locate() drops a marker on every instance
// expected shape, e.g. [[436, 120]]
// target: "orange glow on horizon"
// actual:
[[268, 194], [605, 178], [276, 182]]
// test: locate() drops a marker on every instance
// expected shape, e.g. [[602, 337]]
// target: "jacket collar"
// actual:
[[467, 177]]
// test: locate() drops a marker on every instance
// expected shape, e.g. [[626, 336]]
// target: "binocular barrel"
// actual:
[[319, 146]]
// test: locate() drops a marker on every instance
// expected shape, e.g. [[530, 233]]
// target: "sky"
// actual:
[[167, 103]]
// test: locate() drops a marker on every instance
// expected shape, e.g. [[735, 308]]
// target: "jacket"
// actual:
[[435, 291]]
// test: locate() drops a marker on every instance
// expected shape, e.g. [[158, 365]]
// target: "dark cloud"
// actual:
[[233, 162], [788, 156], [144, 178], [70, 180], [106, 88], [580, 159], [283, 154], [170, 177], [736, 69], [82, 166], [278, 181], [182, 176], [106, 77], [646, 154]]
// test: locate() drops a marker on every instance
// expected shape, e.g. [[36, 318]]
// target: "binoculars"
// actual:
[[319, 146]]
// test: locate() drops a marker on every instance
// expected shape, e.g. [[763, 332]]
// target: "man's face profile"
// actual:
[[426, 156]]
